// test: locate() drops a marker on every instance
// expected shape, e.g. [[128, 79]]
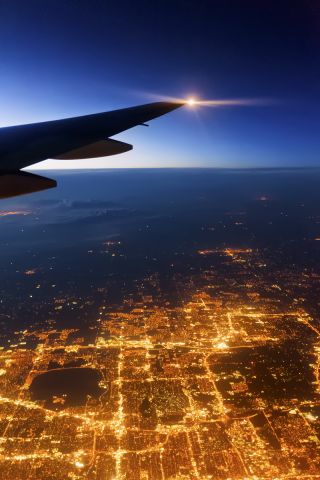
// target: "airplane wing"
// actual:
[[71, 138], [24, 145]]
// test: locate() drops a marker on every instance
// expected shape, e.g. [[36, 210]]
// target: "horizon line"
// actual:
[[79, 169]]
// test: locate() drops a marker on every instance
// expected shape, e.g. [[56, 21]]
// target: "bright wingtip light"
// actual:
[[191, 101]]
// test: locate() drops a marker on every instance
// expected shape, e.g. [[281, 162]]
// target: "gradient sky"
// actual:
[[66, 58]]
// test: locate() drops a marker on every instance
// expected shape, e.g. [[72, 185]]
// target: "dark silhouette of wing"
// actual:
[[71, 138], [24, 145]]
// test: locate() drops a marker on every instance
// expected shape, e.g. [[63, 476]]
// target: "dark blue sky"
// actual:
[[66, 58]]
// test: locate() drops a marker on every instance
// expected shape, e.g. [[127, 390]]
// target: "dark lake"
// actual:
[[73, 384]]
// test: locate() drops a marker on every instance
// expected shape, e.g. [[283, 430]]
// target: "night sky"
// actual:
[[67, 58]]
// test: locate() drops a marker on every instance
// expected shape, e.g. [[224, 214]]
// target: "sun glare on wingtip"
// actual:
[[191, 102]]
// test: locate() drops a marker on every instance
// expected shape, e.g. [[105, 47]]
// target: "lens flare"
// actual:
[[193, 101]]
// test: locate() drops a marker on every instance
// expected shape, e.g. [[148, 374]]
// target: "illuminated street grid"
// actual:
[[214, 388]]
